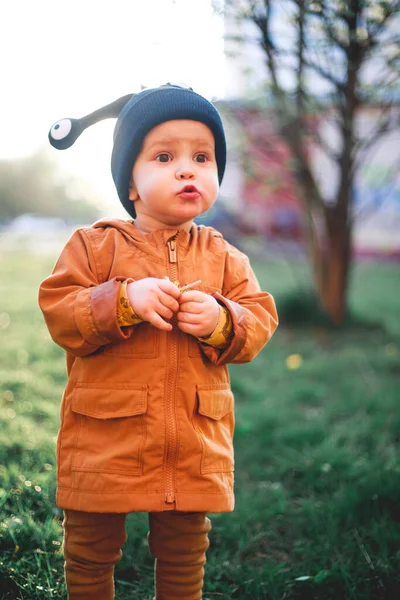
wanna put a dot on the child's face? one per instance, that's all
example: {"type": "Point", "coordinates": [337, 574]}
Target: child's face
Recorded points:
{"type": "Point", "coordinates": [175, 177]}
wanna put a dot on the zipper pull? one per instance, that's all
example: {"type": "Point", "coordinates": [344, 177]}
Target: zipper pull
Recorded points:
{"type": "Point", "coordinates": [172, 251]}
{"type": "Point", "coordinates": [169, 498]}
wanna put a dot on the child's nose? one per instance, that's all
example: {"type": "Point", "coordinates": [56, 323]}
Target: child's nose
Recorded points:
{"type": "Point", "coordinates": [184, 171]}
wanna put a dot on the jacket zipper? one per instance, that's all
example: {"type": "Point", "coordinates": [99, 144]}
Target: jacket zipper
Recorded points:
{"type": "Point", "coordinates": [172, 251]}
{"type": "Point", "coordinates": [171, 438]}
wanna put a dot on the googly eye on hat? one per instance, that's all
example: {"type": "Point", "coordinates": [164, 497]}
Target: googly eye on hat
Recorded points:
{"type": "Point", "coordinates": [66, 131]}
{"type": "Point", "coordinates": [136, 115]}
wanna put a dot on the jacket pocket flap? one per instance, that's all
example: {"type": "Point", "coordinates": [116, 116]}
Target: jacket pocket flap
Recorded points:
{"type": "Point", "coordinates": [215, 401]}
{"type": "Point", "coordinates": [117, 401]}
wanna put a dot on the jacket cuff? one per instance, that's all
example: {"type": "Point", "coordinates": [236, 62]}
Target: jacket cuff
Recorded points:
{"type": "Point", "coordinates": [95, 312]}
{"type": "Point", "coordinates": [221, 335]}
{"type": "Point", "coordinates": [238, 315]}
{"type": "Point", "coordinates": [126, 316]}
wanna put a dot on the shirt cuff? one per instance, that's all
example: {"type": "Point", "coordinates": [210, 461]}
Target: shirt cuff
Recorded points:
{"type": "Point", "coordinates": [125, 314]}
{"type": "Point", "coordinates": [222, 333]}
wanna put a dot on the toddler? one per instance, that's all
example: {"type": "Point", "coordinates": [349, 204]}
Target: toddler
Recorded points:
{"type": "Point", "coordinates": [150, 311]}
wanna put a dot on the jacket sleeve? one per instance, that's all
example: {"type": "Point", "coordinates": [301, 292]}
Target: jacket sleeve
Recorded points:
{"type": "Point", "coordinates": [80, 312]}
{"type": "Point", "coordinates": [253, 313]}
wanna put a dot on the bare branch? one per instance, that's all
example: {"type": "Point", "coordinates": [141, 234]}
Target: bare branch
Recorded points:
{"type": "Point", "coordinates": [375, 27]}
{"type": "Point", "coordinates": [334, 156]}
{"type": "Point", "coordinates": [327, 22]}
{"type": "Point", "coordinates": [263, 22]}
{"type": "Point", "coordinates": [386, 124]}
{"type": "Point", "coordinates": [340, 86]}
{"type": "Point", "coordinates": [300, 55]}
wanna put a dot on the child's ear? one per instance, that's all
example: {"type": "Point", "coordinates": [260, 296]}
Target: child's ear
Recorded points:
{"type": "Point", "coordinates": [133, 193]}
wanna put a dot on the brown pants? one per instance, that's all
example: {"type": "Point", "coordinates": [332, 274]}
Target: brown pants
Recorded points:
{"type": "Point", "coordinates": [92, 547]}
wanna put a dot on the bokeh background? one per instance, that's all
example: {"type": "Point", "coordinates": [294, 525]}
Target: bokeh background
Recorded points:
{"type": "Point", "coordinates": [309, 92]}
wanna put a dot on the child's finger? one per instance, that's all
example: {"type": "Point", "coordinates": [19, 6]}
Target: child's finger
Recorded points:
{"type": "Point", "coordinates": [164, 311]}
{"type": "Point", "coordinates": [191, 296]}
{"type": "Point", "coordinates": [191, 328]}
{"type": "Point", "coordinates": [192, 318]}
{"type": "Point", "coordinates": [169, 288]}
{"type": "Point", "coordinates": [158, 322]}
{"type": "Point", "coordinates": [191, 307]}
{"type": "Point", "coordinates": [169, 301]}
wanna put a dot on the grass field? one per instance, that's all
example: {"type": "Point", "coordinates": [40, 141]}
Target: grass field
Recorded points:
{"type": "Point", "coordinates": [317, 453]}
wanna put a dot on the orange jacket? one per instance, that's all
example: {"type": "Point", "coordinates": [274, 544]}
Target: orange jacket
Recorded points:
{"type": "Point", "coordinates": [147, 416]}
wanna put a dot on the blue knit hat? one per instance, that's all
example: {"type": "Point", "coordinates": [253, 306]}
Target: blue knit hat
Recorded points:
{"type": "Point", "coordinates": [137, 115]}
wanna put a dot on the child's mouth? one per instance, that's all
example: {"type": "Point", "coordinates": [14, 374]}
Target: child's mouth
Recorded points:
{"type": "Point", "coordinates": [189, 192]}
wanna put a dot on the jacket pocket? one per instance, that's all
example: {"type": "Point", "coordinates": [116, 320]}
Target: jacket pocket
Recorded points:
{"type": "Point", "coordinates": [143, 343]}
{"type": "Point", "coordinates": [214, 422]}
{"type": "Point", "coordinates": [111, 429]}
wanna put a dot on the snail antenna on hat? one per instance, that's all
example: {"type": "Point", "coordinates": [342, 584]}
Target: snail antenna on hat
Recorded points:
{"type": "Point", "coordinates": [66, 131]}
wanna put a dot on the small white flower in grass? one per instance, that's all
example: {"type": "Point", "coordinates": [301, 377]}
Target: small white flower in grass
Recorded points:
{"type": "Point", "coordinates": [326, 467]}
{"type": "Point", "coordinates": [312, 413]}
{"type": "Point", "coordinates": [38, 488]}
{"type": "Point", "coordinates": [28, 483]}
{"type": "Point", "coordinates": [47, 466]}
{"type": "Point", "coordinates": [276, 485]}
{"type": "Point", "coordinates": [11, 414]}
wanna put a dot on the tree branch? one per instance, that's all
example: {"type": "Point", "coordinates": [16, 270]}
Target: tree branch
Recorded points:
{"type": "Point", "coordinates": [300, 56]}
{"type": "Point", "coordinates": [340, 86]}
{"type": "Point", "coordinates": [364, 146]}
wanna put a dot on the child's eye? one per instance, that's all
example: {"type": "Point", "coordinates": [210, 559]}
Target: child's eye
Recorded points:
{"type": "Point", "coordinates": [163, 157]}
{"type": "Point", "coordinates": [201, 158]}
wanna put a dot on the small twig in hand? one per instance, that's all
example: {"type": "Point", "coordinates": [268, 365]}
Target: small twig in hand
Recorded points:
{"type": "Point", "coordinates": [189, 285]}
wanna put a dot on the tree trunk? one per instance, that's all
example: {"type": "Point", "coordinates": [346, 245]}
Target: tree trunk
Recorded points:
{"type": "Point", "coordinates": [336, 264]}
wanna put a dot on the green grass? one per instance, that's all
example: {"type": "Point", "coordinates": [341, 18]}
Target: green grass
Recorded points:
{"type": "Point", "coordinates": [317, 453]}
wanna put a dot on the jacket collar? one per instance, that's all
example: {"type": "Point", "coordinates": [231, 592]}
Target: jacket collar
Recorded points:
{"type": "Point", "coordinates": [156, 238]}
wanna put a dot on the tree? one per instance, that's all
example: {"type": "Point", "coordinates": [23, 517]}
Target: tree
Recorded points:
{"type": "Point", "coordinates": [32, 185]}
{"type": "Point", "coordinates": [332, 58]}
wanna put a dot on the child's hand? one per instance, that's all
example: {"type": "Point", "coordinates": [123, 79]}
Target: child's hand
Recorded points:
{"type": "Point", "coordinates": [198, 313]}
{"type": "Point", "coordinates": [152, 299]}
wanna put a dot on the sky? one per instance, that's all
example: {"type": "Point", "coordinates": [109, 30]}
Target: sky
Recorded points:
{"type": "Point", "coordinates": [66, 59]}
